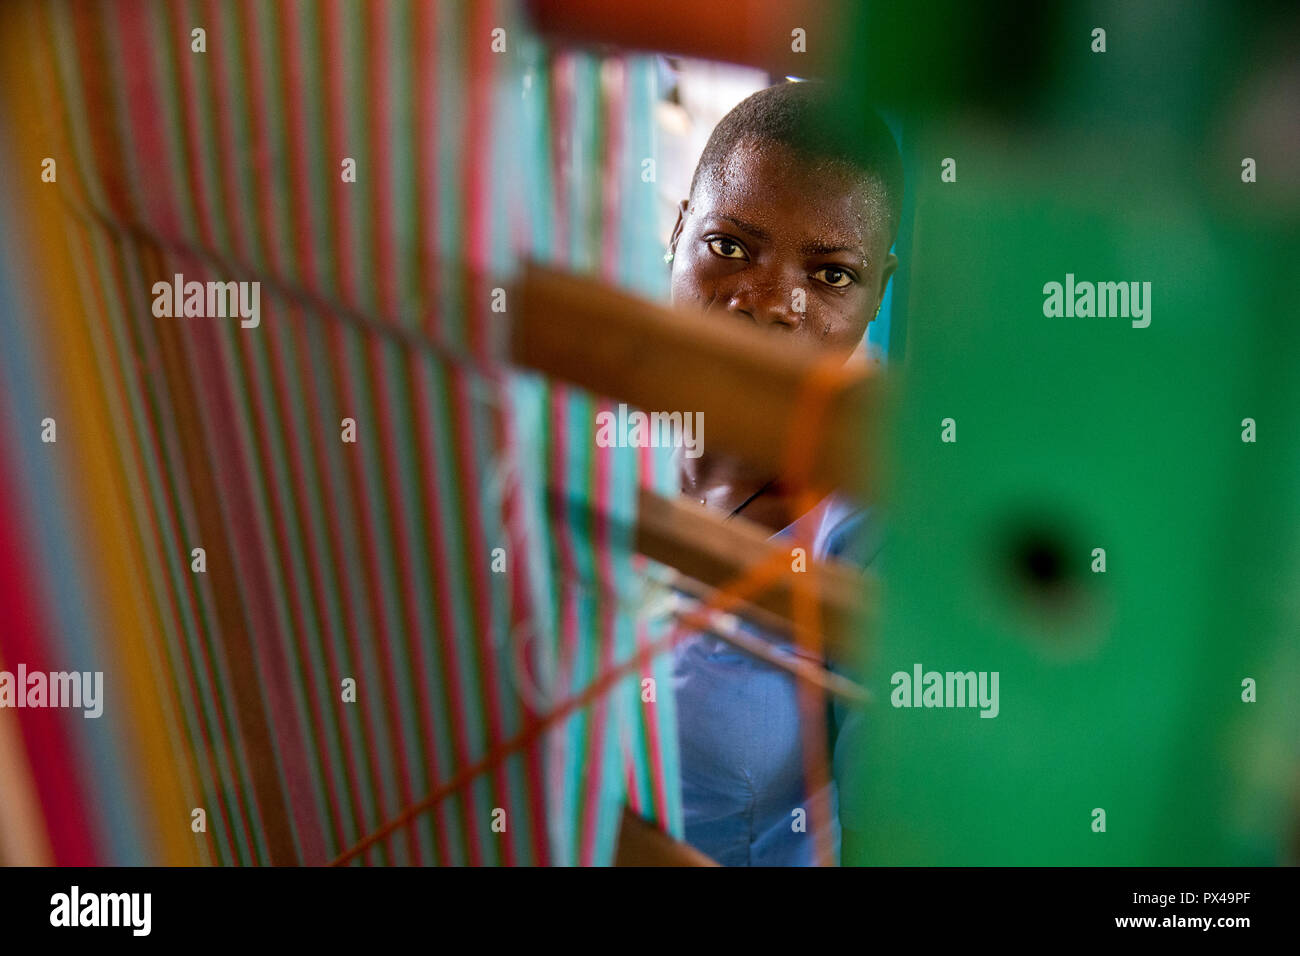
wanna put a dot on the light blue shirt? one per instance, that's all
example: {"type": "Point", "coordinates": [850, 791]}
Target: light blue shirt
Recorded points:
{"type": "Point", "coordinates": [738, 727]}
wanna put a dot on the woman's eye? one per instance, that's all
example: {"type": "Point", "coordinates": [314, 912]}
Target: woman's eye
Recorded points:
{"type": "Point", "coordinates": [727, 248]}
{"type": "Point", "coordinates": [834, 276]}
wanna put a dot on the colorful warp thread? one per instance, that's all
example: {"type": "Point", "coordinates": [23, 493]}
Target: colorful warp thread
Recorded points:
{"type": "Point", "coordinates": [325, 560]}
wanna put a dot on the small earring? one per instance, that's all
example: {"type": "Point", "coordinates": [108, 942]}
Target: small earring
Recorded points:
{"type": "Point", "coordinates": [668, 256]}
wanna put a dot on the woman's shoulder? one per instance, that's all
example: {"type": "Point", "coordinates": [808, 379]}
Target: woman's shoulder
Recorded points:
{"type": "Point", "coordinates": [851, 532]}
{"type": "Point", "coordinates": [843, 529]}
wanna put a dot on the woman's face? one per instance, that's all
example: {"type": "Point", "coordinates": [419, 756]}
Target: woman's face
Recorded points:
{"type": "Point", "coordinates": [794, 247]}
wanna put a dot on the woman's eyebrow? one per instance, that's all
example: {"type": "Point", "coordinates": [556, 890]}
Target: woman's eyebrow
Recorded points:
{"type": "Point", "coordinates": [749, 227]}
{"type": "Point", "coordinates": [818, 248]}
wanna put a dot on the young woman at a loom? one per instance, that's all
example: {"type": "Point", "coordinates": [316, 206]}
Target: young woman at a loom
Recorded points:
{"type": "Point", "coordinates": [796, 189]}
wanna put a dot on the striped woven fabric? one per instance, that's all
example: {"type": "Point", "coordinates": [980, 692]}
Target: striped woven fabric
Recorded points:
{"type": "Point", "coordinates": [357, 674]}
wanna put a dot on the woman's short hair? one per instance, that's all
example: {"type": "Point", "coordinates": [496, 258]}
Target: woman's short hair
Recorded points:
{"type": "Point", "coordinates": [820, 122]}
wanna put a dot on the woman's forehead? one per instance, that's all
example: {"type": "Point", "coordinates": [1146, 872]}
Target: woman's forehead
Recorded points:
{"type": "Point", "coordinates": [784, 196]}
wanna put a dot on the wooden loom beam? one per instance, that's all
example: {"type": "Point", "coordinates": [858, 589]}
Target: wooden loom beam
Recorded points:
{"type": "Point", "coordinates": [749, 387]}
{"type": "Point", "coordinates": [695, 541]}
{"type": "Point", "coordinates": [641, 843]}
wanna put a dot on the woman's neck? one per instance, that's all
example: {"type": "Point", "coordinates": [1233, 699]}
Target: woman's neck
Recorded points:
{"type": "Point", "coordinates": [735, 488]}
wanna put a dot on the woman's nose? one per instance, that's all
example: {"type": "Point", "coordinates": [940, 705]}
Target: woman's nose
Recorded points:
{"type": "Point", "coordinates": [768, 303]}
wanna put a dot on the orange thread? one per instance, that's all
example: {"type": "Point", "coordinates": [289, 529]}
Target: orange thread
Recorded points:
{"type": "Point", "coordinates": [754, 578]}
{"type": "Point", "coordinates": [807, 426]}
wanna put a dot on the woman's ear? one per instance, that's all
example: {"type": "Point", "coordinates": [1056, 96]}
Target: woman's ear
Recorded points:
{"type": "Point", "coordinates": [677, 229]}
{"type": "Point", "coordinates": [891, 263]}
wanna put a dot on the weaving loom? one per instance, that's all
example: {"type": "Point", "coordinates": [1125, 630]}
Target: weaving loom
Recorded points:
{"type": "Point", "coordinates": [418, 630]}
{"type": "Point", "coordinates": [499, 221]}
